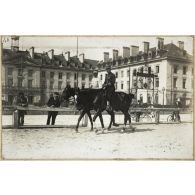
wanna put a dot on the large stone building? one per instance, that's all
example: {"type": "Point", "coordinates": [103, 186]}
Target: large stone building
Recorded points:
{"type": "Point", "coordinates": [40, 74]}
{"type": "Point", "coordinates": [158, 75]}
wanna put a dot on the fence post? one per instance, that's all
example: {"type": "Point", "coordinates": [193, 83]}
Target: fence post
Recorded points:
{"type": "Point", "coordinates": [85, 121]}
{"type": "Point", "coordinates": [157, 117]}
{"type": "Point", "coordinates": [15, 119]}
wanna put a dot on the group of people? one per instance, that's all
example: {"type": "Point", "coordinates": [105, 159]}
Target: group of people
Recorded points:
{"type": "Point", "coordinates": [54, 100]}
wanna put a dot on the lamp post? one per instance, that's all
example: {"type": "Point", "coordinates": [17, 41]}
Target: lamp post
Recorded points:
{"type": "Point", "coordinates": [163, 90]}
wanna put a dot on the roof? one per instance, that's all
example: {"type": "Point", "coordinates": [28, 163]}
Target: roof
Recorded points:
{"type": "Point", "coordinates": [42, 59]}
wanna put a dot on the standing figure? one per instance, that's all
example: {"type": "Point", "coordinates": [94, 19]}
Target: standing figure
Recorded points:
{"type": "Point", "coordinates": [108, 86]}
{"type": "Point", "coordinates": [21, 100]}
{"type": "Point", "coordinates": [176, 113]}
{"type": "Point", "coordinates": [53, 102]}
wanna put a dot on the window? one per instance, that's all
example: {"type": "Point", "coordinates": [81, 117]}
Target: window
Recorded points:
{"type": "Point", "coordinates": [101, 77]}
{"type": "Point", "coordinates": [156, 98]}
{"type": "Point", "coordinates": [10, 71]}
{"type": "Point", "coordinates": [68, 76]}
{"type": "Point", "coordinates": [43, 74]}
{"type": "Point", "coordinates": [83, 77]}
{"type": "Point", "coordinates": [184, 84]}
{"type": "Point", "coordinates": [141, 69]}
{"type": "Point", "coordinates": [157, 82]}
{"type": "Point", "coordinates": [51, 75]}
{"type": "Point", "coordinates": [19, 82]}
{"type": "Point", "coordinates": [59, 85]}
{"type": "Point", "coordinates": [128, 85]}
{"type": "Point", "coordinates": [122, 84]}
{"type": "Point", "coordinates": [141, 98]}
{"type": "Point", "coordinates": [30, 73]}
{"type": "Point", "coordinates": [29, 83]}
{"type": "Point", "coordinates": [43, 84]}
{"type": "Point", "coordinates": [60, 75]}
{"type": "Point", "coordinates": [10, 82]}
{"type": "Point", "coordinates": [75, 76]}
{"type": "Point", "coordinates": [90, 77]}
{"type": "Point", "coordinates": [10, 99]}
{"type": "Point", "coordinates": [75, 84]}
{"type": "Point", "coordinates": [116, 74]}
{"type": "Point", "coordinates": [175, 70]}
{"type": "Point", "coordinates": [157, 69]}
{"type": "Point", "coordinates": [174, 97]}
{"type": "Point", "coordinates": [116, 85]}
{"type": "Point", "coordinates": [83, 85]}
{"type": "Point", "coordinates": [134, 83]}
{"type": "Point", "coordinates": [20, 72]}
{"type": "Point", "coordinates": [30, 99]}
{"type": "Point", "coordinates": [184, 70]}
{"type": "Point", "coordinates": [122, 73]}
{"type": "Point", "coordinates": [149, 98]}
{"type": "Point", "coordinates": [174, 82]}
{"type": "Point", "coordinates": [51, 84]}
{"type": "Point", "coordinates": [127, 73]}
{"type": "Point", "coordinates": [149, 70]}
{"type": "Point", "coordinates": [134, 72]}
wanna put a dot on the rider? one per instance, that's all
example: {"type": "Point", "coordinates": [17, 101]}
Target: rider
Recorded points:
{"type": "Point", "coordinates": [108, 85]}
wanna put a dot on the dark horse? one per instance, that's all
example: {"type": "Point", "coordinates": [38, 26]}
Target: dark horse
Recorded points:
{"type": "Point", "coordinates": [85, 103]}
{"type": "Point", "coordinates": [120, 101]}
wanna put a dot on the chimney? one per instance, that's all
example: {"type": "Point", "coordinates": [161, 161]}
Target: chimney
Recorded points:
{"type": "Point", "coordinates": [181, 45]}
{"type": "Point", "coordinates": [126, 52]}
{"type": "Point", "coordinates": [15, 43]}
{"type": "Point", "coordinates": [134, 50]}
{"type": "Point", "coordinates": [106, 56]}
{"type": "Point", "coordinates": [82, 57]}
{"type": "Point", "coordinates": [32, 52]}
{"type": "Point", "coordinates": [160, 43]}
{"type": "Point", "coordinates": [115, 54]}
{"type": "Point", "coordinates": [67, 55]}
{"type": "Point", "coordinates": [51, 54]}
{"type": "Point", "coordinates": [146, 46]}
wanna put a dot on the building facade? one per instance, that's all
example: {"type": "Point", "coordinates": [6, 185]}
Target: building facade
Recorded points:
{"type": "Point", "coordinates": [40, 74]}
{"type": "Point", "coordinates": [158, 75]}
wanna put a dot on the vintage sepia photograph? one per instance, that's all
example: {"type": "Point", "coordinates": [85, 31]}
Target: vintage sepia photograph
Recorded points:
{"type": "Point", "coordinates": [97, 97]}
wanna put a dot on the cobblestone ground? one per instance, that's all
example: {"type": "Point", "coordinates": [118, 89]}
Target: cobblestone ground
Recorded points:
{"type": "Point", "coordinates": [165, 141]}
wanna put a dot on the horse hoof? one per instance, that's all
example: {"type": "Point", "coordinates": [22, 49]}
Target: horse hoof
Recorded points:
{"type": "Point", "coordinates": [122, 130]}
{"type": "Point", "coordinates": [115, 124]}
{"type": "Point", "coordinates": [91, 129]}
{"type": "Point", "coordinates": [96, 130]}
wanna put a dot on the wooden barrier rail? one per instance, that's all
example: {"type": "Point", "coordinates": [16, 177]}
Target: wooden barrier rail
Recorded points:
{"type": "Point", "coordinates": [66, 110]}
{"type": "Point", "coordinates": [46, 109]}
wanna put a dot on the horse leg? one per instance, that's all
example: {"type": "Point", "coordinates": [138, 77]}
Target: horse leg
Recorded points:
{"type": "Point", "coordinates": [90, 118]}
{"type": "Point", "coordinates": [79, 119]}
{"type": "Point", "coordinates": [111, 113]}
{"type": "Point", "coordinates": [101, 120]}
{"type": "Point", "coordinates": [98, 112]}
{"type": "Point", "coordinates": [128, 117]}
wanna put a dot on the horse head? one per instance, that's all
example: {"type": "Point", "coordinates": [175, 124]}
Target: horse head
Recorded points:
{"type": "Point", "coordinates": [68, 92]}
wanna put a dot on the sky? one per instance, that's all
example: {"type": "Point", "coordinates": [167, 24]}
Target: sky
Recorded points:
{"type": "Point", "coordinates": [92, 46]}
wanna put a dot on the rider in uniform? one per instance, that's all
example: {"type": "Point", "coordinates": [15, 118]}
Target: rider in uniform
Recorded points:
{"type": "Point", "coordinates": [108, 85]}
